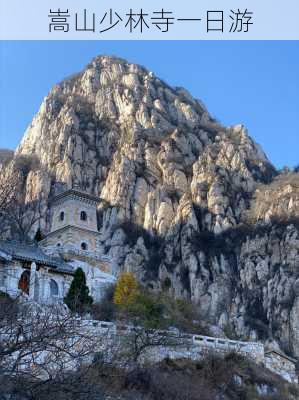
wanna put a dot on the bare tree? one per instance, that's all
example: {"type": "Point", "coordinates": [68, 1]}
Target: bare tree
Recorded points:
{"type": "Point", "coordinates": [21, 217]}
{"type": "Point", "coordinates": [43, 352]}
{"type": "Point", "coordinates": [141, 343]}
{"type": "Point", "coordinates": [9, 185]}
{"type": "Point", "coordinates": [17, 216]}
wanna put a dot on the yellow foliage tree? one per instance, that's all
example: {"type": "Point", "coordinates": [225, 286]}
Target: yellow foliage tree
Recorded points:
{"type": "Point", "coordinates": [126, 290]}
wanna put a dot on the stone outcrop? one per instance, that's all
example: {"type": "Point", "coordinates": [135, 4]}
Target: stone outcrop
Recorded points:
{"type": "Point", "coordinates": [5, 156]}
{"type": "Point", "coordinates": [176, 189]}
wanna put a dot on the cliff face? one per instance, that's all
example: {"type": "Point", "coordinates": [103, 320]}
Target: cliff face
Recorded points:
{"type": "Point", "coordinates": [5, 156]}
{"type": "Point", "coordinates": [176, 188]}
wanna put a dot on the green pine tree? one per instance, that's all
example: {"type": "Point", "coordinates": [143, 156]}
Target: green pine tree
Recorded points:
{"type": "Point", "coordinates": [78, 298]}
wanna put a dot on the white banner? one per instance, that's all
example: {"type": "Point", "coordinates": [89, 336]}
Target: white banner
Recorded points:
{"type": "Point", "coordinates": [149, 20]}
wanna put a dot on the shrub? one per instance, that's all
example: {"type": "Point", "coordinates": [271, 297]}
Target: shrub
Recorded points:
{"type": "Point", "coordinates": [147, 310]}
{"type": "Point", "coordinates": [105, 310]}
{"type": "Point", "coordinates": [185, 278]}
{"type": "Point", "coordinates": [156, 257]}
{"type": "Point", "coordinates": [78, 298]}
{"type": "Point", "coordinates": [183, 315]}
{"type": "Point", "coordinates": [211, 378]}
{"type": "Point", "coordinates": [166, 284]}
{"type": "Point", "coordinates": [6, 156]}
{"type": "Point", "coordinates": [173, 194]}
{"type": "Point", "coordinates": [132, 231]}
{"type": "Point", "coordinates": [230, 332]}
{"type": "Point", "coordinates": [26, 163]}
{"type": "Point", "coordinates": [5, 296]}
{"type": "Point", "coordinates": [162, 311]}
{"type": "Point", "coordinates": [126, 290]}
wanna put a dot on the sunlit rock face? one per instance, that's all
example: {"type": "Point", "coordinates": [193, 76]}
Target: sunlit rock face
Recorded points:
{"type": "Point", "coordinates": [175, 187]}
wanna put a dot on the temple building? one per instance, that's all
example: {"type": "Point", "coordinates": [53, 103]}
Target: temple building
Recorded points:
{"type": "Point", "coordinates": [43, 272]}
{"type": "Point", "coordinates": [74, 223]}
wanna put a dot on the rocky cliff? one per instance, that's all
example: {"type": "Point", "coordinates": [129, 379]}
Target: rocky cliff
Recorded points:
{"type": "Point", "coordinates": [190, 206]}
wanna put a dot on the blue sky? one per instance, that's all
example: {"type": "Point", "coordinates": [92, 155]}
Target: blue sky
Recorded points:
{"type": "Point", "coordinates": [254, 83]}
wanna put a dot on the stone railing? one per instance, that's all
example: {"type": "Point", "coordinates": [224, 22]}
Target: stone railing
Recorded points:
{"type": "Point", "coordinates": [253, 350]}
{"type": "Point", "coordinates": [107, 336]}
{"type": "Point", "coordinates": [194, 347]}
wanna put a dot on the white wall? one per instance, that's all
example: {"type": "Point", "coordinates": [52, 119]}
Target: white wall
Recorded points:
{"type": "Point", "coordinates": [39, 289]}
{"type": "Point", "coordinates": [72, 210]}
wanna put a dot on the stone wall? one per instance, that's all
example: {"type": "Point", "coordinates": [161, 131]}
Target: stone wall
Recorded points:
{"type": "Point", "coordinates": [109, 341]}
{"type": "Point", "coordinates": [281, 366]}
{"type": "Point", "coordinates": [197, 347]}
{"type": "Point", "coordinates": [99, 269]}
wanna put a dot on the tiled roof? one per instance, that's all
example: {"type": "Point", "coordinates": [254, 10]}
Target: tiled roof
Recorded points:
{"type": "Point", "coordinates": [33, 253]}
{"type": "Point", "coordinates": [75, 194]}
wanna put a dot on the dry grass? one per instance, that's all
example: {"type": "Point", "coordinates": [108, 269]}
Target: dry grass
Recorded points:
{"type": "Point", "coordinates": [229, 378]}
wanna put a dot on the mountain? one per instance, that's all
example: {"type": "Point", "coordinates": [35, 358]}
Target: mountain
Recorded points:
{"type": "Point", "coordinates": [5, 156]}
{"type": "Point", "coordinates": [190, 206]}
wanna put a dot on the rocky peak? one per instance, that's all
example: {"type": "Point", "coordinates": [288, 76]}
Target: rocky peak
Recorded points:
{"type": "Point", "coordinates": [121, 133]}
{"type": "Point", "coordinates": [175, 186]}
